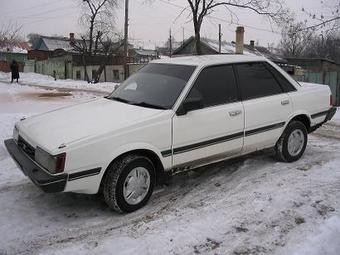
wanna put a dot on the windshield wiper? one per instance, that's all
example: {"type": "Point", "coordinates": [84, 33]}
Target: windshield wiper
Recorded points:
{"type": "Point", "coordinates": [119, 99]}
{"type": "Point", "coordinates": [148, 105]}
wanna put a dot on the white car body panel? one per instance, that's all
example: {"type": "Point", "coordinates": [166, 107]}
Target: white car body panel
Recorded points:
{"type": "Point", "coordinates": [94, 134]}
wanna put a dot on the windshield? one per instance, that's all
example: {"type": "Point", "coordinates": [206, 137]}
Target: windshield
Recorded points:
{"type": "Point", "coordinates": [155, 86]}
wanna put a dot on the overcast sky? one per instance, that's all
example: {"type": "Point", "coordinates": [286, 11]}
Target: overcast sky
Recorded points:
{"type": "Point", "coordinates": [148, 23]}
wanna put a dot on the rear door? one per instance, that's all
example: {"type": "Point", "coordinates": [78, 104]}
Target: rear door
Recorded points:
{"type": "Point", "coordinates": [266, 104]}
{"type": "Point", "coordinates": [214, 131]}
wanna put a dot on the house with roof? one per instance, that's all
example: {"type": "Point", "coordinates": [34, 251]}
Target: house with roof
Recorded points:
{"type": "Point", "coordinates": [14, 51]}
{"type": "Point", "coordinates": [57, 55]}
{"type": "Point", "coordinates": [211, 46]}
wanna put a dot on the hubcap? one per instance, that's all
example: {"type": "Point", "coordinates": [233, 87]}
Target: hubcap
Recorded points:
{"type": "Point", "coordinates": [136, 185]}
{"type": "Point", "coordinates": [296, 142]}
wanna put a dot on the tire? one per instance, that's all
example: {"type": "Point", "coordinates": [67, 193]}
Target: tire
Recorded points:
{"type": "Point", "coordinates": [283, 151]}
{"type": "Point", "coordinates": [129, 170]}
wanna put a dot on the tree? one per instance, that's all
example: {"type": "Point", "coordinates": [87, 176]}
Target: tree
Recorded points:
{"type": "Point", "coordinates": [200, 9]}
{"type": "Point", "coordinates": [98, 19]}
{"type": "Point", "coordinates": [327, 17]}
{"type": "Point", "coordinates": [33, 39]}
{"type": "Point", "coordinates": [10, 35]}
{"type": "Point", "coordinates": [295, 39]}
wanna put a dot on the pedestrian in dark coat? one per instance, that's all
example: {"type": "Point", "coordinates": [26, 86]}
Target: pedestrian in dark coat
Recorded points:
{"type": "Point", "coordinates": [15, 71]}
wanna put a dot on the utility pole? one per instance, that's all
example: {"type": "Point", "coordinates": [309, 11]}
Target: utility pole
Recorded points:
{"type": "Point", "coordinates": [126, 36]}
{"type": "Point", "coordinates": [170, 43]}
{"type": "Point", "coordinates": [219, 38]}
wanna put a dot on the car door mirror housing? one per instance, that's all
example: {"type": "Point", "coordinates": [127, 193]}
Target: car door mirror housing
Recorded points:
{"type": "Point", "coordinates": [190, 104]}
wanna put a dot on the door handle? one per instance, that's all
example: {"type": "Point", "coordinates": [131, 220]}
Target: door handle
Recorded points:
{"type": "Point", "coordinates": [284, 102]}
{"type": "Point", "coordinates": [235, 113]}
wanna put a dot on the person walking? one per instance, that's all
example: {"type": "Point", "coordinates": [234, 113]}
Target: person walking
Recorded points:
{"type": "Point", "coordinates": [15, 71]}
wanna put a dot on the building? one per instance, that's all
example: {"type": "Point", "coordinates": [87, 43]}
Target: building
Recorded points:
{"type": "Point", "coordinates": [211, 46]}
{"type": "Point", "coordinates": [17, 52]}
{"type": "Point", "coordinates": [57, 56]}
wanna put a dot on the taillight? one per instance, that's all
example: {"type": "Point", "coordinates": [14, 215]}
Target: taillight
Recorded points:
{"type": "Point", "coordinates": [331, 103]}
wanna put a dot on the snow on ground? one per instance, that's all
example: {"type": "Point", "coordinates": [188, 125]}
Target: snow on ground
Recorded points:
{"type": "Point", "coordinates": [252, 205]}
{"type": "Point", "coordinates": [48, 81]}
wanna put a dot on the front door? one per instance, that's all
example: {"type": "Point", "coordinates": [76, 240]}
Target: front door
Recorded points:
{"type": "Point", "coordinates": [214, 130]}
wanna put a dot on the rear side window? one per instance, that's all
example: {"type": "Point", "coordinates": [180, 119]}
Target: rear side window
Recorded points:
{"type": "Point", "coordinates": [256, 81]}
{"type": "Point", "coordinates": [216, 85]}
{"type": "Point", "coordinates": [285, 84]}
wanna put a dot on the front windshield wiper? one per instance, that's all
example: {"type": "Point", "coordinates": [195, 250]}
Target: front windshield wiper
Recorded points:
{"type": "Point", "coordinates": [120, 99]}
{"type": "Point", "coordinates": [144, 104]}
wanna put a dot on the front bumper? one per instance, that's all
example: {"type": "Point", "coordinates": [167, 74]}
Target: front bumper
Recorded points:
{"type": "Point", "coordinates": [47, 182]}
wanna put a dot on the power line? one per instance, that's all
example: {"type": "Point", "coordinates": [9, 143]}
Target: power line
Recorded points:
{"type": "Point", "coordinates": [217, 18]}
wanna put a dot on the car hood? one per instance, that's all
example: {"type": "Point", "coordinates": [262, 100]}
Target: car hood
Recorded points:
{"type": "Point", "coordinates": [70, 124]}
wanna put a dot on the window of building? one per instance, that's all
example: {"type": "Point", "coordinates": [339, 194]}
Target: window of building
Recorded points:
{"type": "Point", "coordinates": [78, 77]}
{"type": "Point", "coordinates": [116, 74]}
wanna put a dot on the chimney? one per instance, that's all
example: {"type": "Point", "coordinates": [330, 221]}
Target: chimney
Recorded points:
{"type": "Point", "coordinates": [239, 40]}
{"type": "Point", "coordinates": [252, 43]}
{"type": "Point", "coordinates": [71, 37]}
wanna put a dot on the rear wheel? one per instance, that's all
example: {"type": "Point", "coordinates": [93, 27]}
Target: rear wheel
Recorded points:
{"type": "Point", "coordinates": [129, 183]}
{"type": "Point", "coordinates": [292, 143]}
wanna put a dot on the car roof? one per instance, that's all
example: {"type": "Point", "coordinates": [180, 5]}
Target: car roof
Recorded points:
{"type": "Point", "coordinates": [207, 60]}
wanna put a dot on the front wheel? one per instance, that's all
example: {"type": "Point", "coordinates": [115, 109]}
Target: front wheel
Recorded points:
{"type": "Point", "coordinates": [292, 143]}
{"type": "Point", "coordinates": [129, 183]}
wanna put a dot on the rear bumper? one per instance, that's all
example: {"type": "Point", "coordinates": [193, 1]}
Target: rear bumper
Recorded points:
{"type": "Point", "coordinates": [329, 115]}
{"type": "Point", "coordinates": [47, 182]}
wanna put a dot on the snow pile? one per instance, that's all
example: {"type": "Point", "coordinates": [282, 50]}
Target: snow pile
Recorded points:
{"type": "Point", "coordinates": [325, 240]}
{"type": "Point", "coordinates": [336, 118]}
{"type": "Point", "coordinates": [40, 80]}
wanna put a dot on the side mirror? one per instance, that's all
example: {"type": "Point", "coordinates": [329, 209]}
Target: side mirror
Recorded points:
{"type": "Point", "coordinates": [190, 104]}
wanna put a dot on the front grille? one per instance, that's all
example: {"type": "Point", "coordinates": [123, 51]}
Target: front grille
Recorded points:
{"type": "Point", "coordinates": [26, 147]}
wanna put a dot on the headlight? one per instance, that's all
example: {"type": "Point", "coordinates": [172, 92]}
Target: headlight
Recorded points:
{"type": "Point", "coordinates": [54, 164]}
{"type": "Point", "coordinates": [15, 133]}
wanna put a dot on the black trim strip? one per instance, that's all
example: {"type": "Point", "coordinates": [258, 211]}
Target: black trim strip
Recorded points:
{"type": "Point", "coordinates": [214, 141]}
{"type": "Point", "coordinates": [264, 129]}
{"type": "Point", "coordinates": [83, 174]}
{"type": "Point", "coordinates": [166, 153]}
{"type": "Point", "coordinates": [222, 139]}
{"type": "Point", "coordinates": [319, 114]}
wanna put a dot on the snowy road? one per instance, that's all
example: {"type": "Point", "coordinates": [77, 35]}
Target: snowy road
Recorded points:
{"type": "Point", "coordinates": [253, 205]}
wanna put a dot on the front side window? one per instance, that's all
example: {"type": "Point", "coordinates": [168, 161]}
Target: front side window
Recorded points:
{"type": "Point", "coordinates": [215, 85]}
{"type": "Point", "coordinates": [256, 81]}
{"type": "Point", "coordinates": [155, 85]}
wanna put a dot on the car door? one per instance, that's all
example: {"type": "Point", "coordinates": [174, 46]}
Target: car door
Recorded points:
{"type": "Point", "coordinates": [267, 106]}
{"type": "Point", "coordinates": [214, 130]}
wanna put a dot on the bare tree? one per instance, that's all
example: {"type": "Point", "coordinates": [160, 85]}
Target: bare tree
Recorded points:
{"type": "Point", "coordinates": [98, 19]}
{"type": "Point", "coordinates": [200, 9]}
{"type": "Point", "coordinates": [327, 17]}
{"type": "Point", "coordinates": [33, 39]}
{"type": "Point", "coordinates": [9, 35]}
{"type": "Point", "coordinates": [295, 39]}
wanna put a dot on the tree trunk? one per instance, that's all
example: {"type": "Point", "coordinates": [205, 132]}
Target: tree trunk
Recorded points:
{"type": "Point", "coordinates": [198, 43]}
{"type": "Point", "coordinates": [197, 29]}
{"type": "Point", "coordinates": [98, 73]}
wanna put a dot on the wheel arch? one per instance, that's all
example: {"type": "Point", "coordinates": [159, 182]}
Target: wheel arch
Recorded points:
{"type": "Point", "coordinates": [147, 152]}
{"type": "Point", "coordinates": [303, 118]}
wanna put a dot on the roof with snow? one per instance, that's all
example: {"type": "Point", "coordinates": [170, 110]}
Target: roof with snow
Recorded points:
{"type": "Point", "coordinates": [211, 46]}
{"type": "Point", "coordinates": [19, 47]}
{"type": "Point", "coordinates": [52, 43]}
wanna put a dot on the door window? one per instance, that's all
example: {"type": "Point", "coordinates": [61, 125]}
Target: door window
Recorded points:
{"type": "Point", "coordinates": [215, 85]}
{"type": "Point", "coordinates": [256, 81]}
